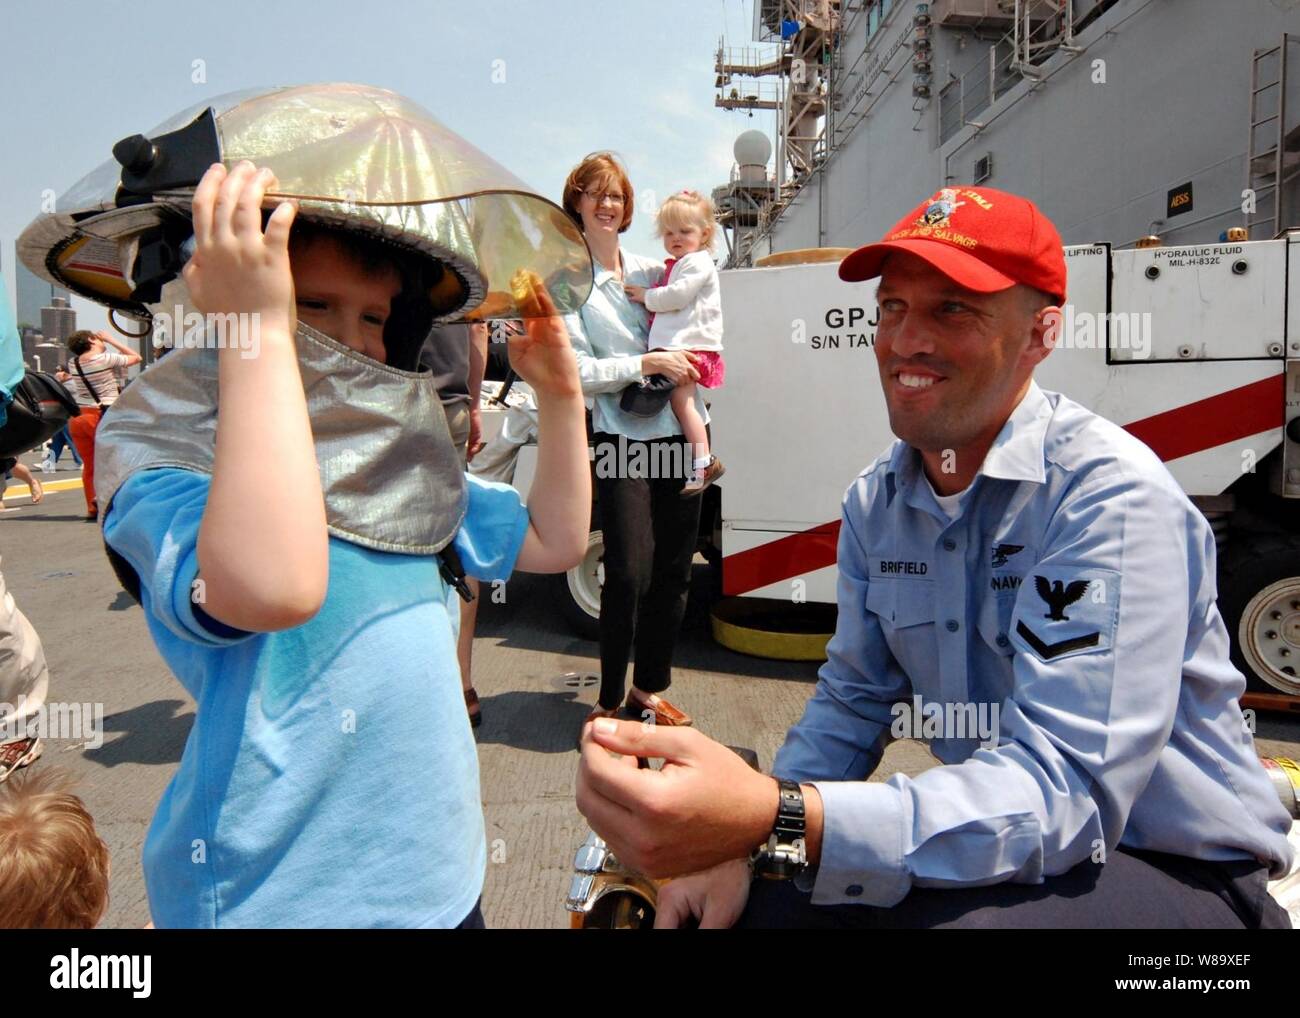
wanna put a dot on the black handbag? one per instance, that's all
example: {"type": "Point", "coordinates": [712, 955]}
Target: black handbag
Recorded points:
{"type": "Point", "coordinates": [42, 405]}
{"type": "Point", "coordinates": [648, 397]}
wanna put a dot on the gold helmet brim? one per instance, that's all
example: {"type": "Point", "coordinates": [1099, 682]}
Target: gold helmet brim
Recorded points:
{"type": "Point", "coordinates": [353, 157]}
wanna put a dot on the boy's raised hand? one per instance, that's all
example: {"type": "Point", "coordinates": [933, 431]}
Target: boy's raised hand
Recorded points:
{"type": "Point", "coordinates": [543, 355]}
{"type": "Point", "coordinates": [236, 267]}
{"type": "Point", "coordinates": [264, 559]}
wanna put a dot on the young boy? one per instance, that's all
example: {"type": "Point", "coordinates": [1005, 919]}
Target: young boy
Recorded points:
{"type": "Point", "coordinates": [331, 777]}
{"type": "Point", "coordinates": [53, 866]}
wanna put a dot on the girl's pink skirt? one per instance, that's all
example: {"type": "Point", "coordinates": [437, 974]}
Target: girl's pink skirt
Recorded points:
{"type": "Point", "coordinates": [710, 366]}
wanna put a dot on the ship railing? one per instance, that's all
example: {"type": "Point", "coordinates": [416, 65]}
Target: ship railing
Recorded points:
{"type": "Point", "coordinates": [754, 95]}
{"type": "Point", "coordinates": [1014, 57]}
{"type": "Point", "coordinates": [748, 61]}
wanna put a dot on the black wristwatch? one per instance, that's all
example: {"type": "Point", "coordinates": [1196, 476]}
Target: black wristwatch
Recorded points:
{"type": "Point", "coordinates": [783, 856]}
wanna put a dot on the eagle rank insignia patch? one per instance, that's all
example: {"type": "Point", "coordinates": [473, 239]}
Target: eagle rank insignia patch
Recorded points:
{"type": "Point", "coordinates": [1066, 612]}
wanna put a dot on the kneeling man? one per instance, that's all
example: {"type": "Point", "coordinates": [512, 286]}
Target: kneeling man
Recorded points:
{"type": "Point", "coordinates": [1012, 553]}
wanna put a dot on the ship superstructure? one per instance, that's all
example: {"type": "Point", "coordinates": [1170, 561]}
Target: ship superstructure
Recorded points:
{"type": "Point", "coordinates": [1122, 119]}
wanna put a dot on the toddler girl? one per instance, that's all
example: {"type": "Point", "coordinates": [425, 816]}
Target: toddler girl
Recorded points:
{"type": "Point", "coordinates": [686, 314]}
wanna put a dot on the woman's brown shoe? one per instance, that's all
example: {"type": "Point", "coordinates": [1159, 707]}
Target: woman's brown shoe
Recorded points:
{"type": "Point", "coordinates": [664, 712]}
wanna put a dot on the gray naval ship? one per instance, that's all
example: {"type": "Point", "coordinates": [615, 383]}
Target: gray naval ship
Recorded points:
{"type": "Point", "coordinates": [1121, 119]}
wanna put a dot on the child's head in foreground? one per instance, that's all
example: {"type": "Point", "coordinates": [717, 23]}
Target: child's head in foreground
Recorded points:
{"type": "Point", "coordinates": [53, 866]}
{"type": "Point", "coordinates": [686, 224]}
{"type": "Point", "coordinates": [368, 295]}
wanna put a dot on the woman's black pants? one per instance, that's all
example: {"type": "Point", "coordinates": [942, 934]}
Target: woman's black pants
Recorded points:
{"type": "Point", "coordinates": [650, 534]}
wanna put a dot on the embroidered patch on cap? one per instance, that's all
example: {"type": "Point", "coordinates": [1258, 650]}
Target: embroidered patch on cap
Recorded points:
{"type": "Point", "coordinates": [935, 220]}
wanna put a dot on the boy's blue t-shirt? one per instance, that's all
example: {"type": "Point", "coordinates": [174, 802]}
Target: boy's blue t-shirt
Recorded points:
{"type": "Point", "coordinates": [330, 778]}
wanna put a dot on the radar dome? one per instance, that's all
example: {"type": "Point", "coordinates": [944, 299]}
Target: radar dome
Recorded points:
{"type": "Point", "coordinates": [752, 149]}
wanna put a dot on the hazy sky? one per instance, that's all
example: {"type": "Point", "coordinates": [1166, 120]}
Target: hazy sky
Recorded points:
{"type": "Point", "coordinates": [633, 76]}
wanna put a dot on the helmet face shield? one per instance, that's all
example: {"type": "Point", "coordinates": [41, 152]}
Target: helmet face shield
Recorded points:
{"type": "Point", "coordinates": [353, 157]}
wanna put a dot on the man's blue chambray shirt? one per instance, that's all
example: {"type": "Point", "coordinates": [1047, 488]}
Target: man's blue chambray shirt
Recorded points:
{"type": "Point", "coordinates": [609, 335]}
{"type": "Point", "coordinates": [1075, 590]}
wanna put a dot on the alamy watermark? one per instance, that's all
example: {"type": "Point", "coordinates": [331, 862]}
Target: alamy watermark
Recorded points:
{"type": "Point", "coordinates": [643, 460]}
{"type": "Point", "coordinates": [932, 720]}
{"type": "Point", "coordinates": [1087, 330]}
{"type": "Point", "coordinates": [179, 329]}
{"type": "Point", "coordinates": [77, 971]}
{"type": "Point", "coordinates": [80, 722]}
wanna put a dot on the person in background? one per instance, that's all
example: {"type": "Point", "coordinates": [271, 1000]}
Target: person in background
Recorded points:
{"type": "Point", "coordinates": [457, 356]}
{"type": "Point", "coordinates": [61, 440]}
{"type": "Point", "coordinates": [686, 314]}
{"type": "Point", "coordinates": [24, 682]}
{"type": "Point", "coordinates": [650, 531]}
{"type": "Point", "coordinates": [24, 676]}
{"type": "Point", "coordinates": [92, 381]}
{"type": "Point", "coordinates": [497, 459]}
{"type": "Point", "coordinates": [9, 465]}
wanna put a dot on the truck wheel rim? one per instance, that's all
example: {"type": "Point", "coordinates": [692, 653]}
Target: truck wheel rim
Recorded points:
{"type": "Point", "coordinates": [1269, 634]}
{"type": "Point", "coordinates": [588, 577]}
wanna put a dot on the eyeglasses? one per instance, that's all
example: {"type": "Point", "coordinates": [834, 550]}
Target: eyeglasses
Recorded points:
{"type": "Point", "coordinates": [598, 197]}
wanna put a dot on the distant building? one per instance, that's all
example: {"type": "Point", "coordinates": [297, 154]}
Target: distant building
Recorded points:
{"type": "Point", "coordinates": [30, 339]}
{"type": "Point", "coordinates": [44, 317]}
{"type": "Point", "coordinates": [32, 293]}
{"type": "Point", "coordinates": [58, 320]}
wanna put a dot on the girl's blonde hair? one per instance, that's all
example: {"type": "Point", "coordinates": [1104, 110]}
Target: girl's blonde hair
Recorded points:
{"type": "Point", "coordinates": [53, 866]}
{"type": "Point", "coordinates": [688, 208]}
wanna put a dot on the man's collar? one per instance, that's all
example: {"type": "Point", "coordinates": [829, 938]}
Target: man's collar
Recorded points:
{"type": "Point", "coordinates": [1017, 452]}
{"type": "Point", "coordinates": [1015, 455]}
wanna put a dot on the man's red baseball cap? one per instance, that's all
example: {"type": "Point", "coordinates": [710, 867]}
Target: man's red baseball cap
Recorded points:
{"type": "Point", "coordinates": [981, 238]}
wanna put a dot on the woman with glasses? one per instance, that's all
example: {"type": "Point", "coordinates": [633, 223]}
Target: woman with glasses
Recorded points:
{"type": "Point", "coordinates": [649, 530]}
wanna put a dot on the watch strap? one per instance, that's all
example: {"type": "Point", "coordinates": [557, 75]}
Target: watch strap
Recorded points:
{"type": "Point", "coordinates": [783, 855]}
